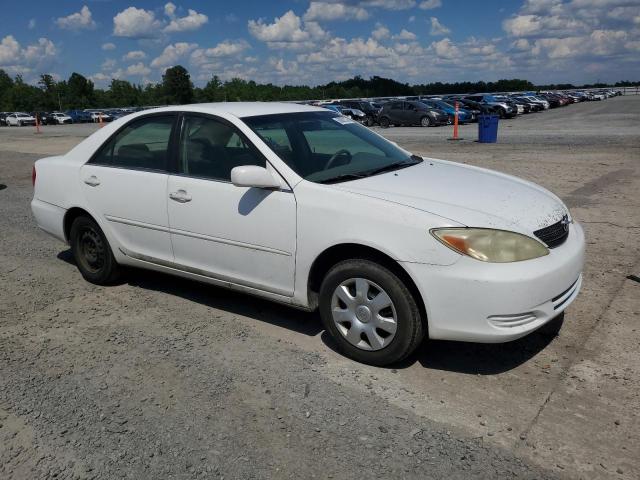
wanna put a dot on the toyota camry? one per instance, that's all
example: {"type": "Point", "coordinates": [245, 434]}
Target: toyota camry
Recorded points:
{"type": "Point", "coordinates": [306, 207]}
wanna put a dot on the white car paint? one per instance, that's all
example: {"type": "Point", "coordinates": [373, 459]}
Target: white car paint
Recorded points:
{"type": "Point", "coordinates": [265, 241]}
{"type": "Point", "coordinates": [99, 116]}
{"type": "Point", "coordinates": [60, 117]}
{"type": "Point", "coordinates": [19, 119]}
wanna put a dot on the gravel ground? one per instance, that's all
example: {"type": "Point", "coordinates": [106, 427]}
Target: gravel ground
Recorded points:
{"type": "Point", "coordinates": [164, 378]}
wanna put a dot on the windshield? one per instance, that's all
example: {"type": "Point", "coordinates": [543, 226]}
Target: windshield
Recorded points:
{"type": "Point", "coordinates": [324, 147]}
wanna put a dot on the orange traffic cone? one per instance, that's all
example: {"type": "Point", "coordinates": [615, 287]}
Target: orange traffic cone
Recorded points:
{"type": "Point", "coordinates": [455, 124]}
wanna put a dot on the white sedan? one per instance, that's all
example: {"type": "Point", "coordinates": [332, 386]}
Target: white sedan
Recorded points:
{"type": "Point", "coordinates": [20, 119]}
{"type": "Point", "coordinates": [306, 207]}
{"type": "Point", "coordinates": [61, 118]}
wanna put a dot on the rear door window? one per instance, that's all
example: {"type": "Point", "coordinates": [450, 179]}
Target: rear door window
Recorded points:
{"type": "Point", "coordinates": [141, 145]}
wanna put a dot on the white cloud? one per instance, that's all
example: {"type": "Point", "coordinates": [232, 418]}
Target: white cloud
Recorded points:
{"type": "Point", "coordinates": [381, 32]}
{"type": "Point", "coordinates": [445, 48]}
{"type": "Point", "coordinates": [81, 20]}
{"type": "Point", "coordinates": [389, 4]}
{"type": "Point", "coordinates": [226, 48]}
{"type": "Point", "coordinates": [108, 46]}
{"type": "Point", "coordinates": [405, 35]}
{"type": "Point", "coordinates": [137, 69]}
{"type": "Point", "coordinates": [172, 54]}
{"type": "Point", "coordinates": [430, 4]}
{"type": "Point", "coordinates": [193, 20]}
{"type": "Point", "coordinates": [341, 49]}
{"type": "Point", "coordinates": [319, 11]}
{"type": "Point", "coordinates": [136, 23]}
{"type": "Point", "coordinates": [170, 10]}
{"type": "Point", "coordinates": [437, 28]}
{"type": "Point", "coordinates": [25, 60]}
{"type": "Point", "coordinates": [287, 32]}
{"type": "Point", "coordinates": [134, 55]}
{"type": "Point", "coordinates": [32, 24]}
{"type": "Point", "coordinates": [108, 65]}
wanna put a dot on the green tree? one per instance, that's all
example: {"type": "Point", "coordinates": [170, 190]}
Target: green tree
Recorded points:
{"type": "Point", "coordinates": [124, 94]}
{"type": "Point", "coordinates": [49, 87]}
{"type": "Point", "coordinates": [6, 85]}
{"type": "Point", "coordinates": [177, 86]}
{"type": "Point", "coordinates": [79, 92]}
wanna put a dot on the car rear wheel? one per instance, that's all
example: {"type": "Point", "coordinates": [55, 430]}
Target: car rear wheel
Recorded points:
{"type": "Point", "coordinates": [384, 122]}
{"type": "Point", "coordinates": [370, 312]}
{"type": "Point", "coordinates": [92, 252]}
{"type": "Point", "coordinates": [425, 121]}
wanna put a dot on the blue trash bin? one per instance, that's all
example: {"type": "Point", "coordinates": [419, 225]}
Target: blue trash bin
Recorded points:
{"type": "Point", "coordinates": [488, 128]}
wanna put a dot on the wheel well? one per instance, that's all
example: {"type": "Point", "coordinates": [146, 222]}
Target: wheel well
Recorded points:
{"type": "Point", "coordinates": [349, 251]}
{"type": "Point", "coordinates": [70, 216]}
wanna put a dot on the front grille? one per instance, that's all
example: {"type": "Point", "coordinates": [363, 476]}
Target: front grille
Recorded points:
{"type": "Point", "coordinates": [554, 235]}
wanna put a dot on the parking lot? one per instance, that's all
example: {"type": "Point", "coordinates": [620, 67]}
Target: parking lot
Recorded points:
{"type": "Point", "coordinates": [160, 377]}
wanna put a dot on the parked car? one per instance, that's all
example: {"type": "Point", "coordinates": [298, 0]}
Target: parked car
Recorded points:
{"type": "Point", "coordinates": [474, 107]}
{"type": "Point", "coordinates": [60, 118]}
{"type": "Point", "coordinates": [79, 116]}
{"type": "Point", "coordinates": [19, 119]}
{"type": "Point", "coordinates": [463, 115]}
{"type": "Point", "coordinates": [44, 118]}
{"type": "Point", "coordinates": [501, 108]}
{"type": "Point", "coordinates": [315, 210]}
{"type": "Point", "coordinates": [369, 109]}
{"type": "Point", "coordinates": [401, 112]}
{"type": "Point", "coordinates": [352, 113]}
{"type": "Point", "coordinates": [99, 116]}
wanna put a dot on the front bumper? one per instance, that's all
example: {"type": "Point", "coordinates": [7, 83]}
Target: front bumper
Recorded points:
{"type": "Point", "coordinates": [498, 302]}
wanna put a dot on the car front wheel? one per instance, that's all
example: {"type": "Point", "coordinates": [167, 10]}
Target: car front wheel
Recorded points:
{"type": "Point", "coordinates": [370, 312]}
{"type": "Point", "coordinates": [425, 121]}
{"type": "Point", "coordinates": [92, 252]}
{"type": "Point", "coordinates": [384, 122]}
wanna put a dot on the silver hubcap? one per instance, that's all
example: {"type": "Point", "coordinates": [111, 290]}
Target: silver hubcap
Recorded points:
{"type": "Point", "coordinates": [364, 314]}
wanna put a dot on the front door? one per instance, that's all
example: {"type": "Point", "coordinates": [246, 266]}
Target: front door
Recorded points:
{"type": "Point", "coordinates": [245, 236]}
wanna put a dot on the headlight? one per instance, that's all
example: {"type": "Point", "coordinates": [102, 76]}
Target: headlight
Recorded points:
{"type": "Point", "coordinates": [487, 245]}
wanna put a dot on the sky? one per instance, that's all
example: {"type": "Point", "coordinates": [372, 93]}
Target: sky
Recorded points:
{"type": "Point", "coordinates": [314, 42]}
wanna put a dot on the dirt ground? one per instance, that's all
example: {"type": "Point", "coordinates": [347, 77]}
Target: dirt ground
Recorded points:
{"type": "Point", "coordinates": [164, 378]}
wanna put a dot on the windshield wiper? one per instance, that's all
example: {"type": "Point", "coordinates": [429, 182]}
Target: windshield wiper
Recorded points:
{"type": "Point", "coordinates": [342, 178]}
{"type": "Point", "coordinates": [414, 160]}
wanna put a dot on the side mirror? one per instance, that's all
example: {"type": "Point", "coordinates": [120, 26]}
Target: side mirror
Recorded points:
{"type": "Point", "coordinates": [253, 176]}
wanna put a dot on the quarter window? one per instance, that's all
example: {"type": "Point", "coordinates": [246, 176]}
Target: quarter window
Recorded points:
{"type": "Point", "coordinates": [142, 144]}
{"type": "Point", "coordinates": [211, 149]}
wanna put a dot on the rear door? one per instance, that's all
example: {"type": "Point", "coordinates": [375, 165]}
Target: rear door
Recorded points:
{"type": "Point", "coordinates": [125, 184]}
{"type": "Point", "coordinates": [395, 112]}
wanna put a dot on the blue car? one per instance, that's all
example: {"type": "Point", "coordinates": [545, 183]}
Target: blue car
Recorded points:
{"type": "Point", "coordinates": [464, 116]}
{"type": "Point", "coordinates": [79, 116]}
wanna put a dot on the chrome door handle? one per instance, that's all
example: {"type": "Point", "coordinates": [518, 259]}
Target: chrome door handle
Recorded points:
{"type": "Point", "coordinates": [180, 196]}
{"type": "Point", "coordinates": [92, 181]}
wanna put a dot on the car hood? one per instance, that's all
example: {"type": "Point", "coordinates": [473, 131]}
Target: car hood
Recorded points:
{"type": "Point", "coordinates": [466, 195]}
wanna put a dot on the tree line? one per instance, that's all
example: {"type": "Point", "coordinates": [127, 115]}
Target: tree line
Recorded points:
{"type": "Point", "coordinates": [176, 87]}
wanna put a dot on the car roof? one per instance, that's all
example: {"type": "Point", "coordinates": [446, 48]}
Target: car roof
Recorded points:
{"type": "Point", "coordinates": [241, 109]}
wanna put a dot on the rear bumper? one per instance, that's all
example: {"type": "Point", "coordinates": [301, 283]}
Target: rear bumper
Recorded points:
{"type": "Point", "coordinates": [49, 218]}
{"type": "Point", "coordinates": [492, 302]}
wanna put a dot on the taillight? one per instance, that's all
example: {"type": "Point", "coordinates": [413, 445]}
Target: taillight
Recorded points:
{"type": "Point", "coordinates": [33, 176]}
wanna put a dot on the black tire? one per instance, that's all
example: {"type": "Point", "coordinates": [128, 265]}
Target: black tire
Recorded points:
{"type": "Point", "coordinates": [502, 113]}
{"type": "Point", "coordinates": [92, 252]}
{"type": "Point", "coordinates": [425, 121]}
{"type": "Point", "coordinates": [410, 326]}
{"type": "Point", "coordinates": [384, 122]}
